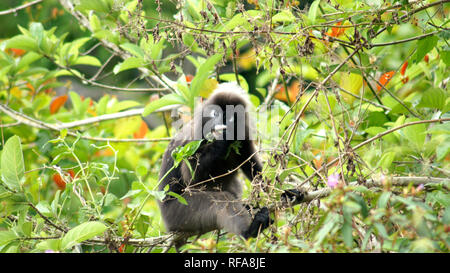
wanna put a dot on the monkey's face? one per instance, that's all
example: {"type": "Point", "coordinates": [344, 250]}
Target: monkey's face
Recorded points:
{"type": "Point", "coordinates": [224, 122]}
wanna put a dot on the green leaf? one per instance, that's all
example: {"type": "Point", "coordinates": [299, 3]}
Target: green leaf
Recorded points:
{"type": "Point", "coordinates": [347, 227]}
{"type": "Point", "coordinates": [285, 16]}
{"type": "Point", "coordinates": [312, 14]}
{"type": "Point", "coordinates": [231, 77]}
{"type": "Point", "coordinates": [424, 46]}
{"type": "Point", "coordinates": [129, 63]}
{"type": "Point", "coordinates": [182, 152]}
{"type": "Point", "coordinates": [102, 105]}
{"type": "Point", "coordinates": [142, 225]}
{"type": "Point", "coordinates": [52, 244]}
{"type": "Point", "coordinates": [381, 230]}
{"type": "Point", "coordinates": [7, 236]}
{"type": "Point", "coordinates": [27, 59]}
{"type": "Point", "coordinates": [152, 49]}
{"type": "Point", "coordinates": [133, 49]}
{"type": "Point", "coordinates": [22, 42]}
{"type": "Point", "coordinates": [178, 197]}
{"type": "Point", "coordinates": [237, 20]}
{"type": "Point", "coordinates": [12, 163]}
{"type": "Point", "coordinates": [131, 193]}
{"type": "Point", "coordinates": [386, 160]}
{"type": "Point", "coordinates": [416, 134]}
{"type": "Point", "coordinates": [169, 99]}
{"type": "Point", "coordinates": [87, 60]}
{"type": "Point", "coordinates": [383, 200]}
{"type": "Point", "coordinates": [94, 22]}
{"type": "Point", "coordinates": [126, 104]}
{"type": "Point", "coordinates": [81, 233]}
{"type": "Point", "coordinates": [76, 102]}
{"type": "Point", "coordinates": [331, 221]}
{"type": "Point", "coordinates": [445, 56]}
{"type": "Point", "coordinates": [37, 31]}
{"type": "Point", "coordinates": [442, 150]}
{"type": "Point", "coordinates": [443, 128]}
{"type": "Point", "coordinates": [141, 170]}
{"type": "Point", "coordinates": [202, 74]}
{"type": "Point", "coordinates": [433, 98]}
{"type": "Point", "coordinates": [96, 5]}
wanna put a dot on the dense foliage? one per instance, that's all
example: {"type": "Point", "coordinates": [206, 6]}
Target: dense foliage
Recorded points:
{"type": "Point", "coordinates": [356, 93]}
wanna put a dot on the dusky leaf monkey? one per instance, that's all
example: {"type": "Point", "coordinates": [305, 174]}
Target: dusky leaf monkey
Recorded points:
{"type": "Point", "coordinates": [208, 179]}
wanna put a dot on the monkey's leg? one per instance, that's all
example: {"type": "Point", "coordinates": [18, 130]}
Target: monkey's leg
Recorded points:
{"type": "Point", "coordinates": [207, 211]}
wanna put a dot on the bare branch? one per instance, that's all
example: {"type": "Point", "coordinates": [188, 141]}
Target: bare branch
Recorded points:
{"type": "Point", "coordinates": [24, 6]}
{"type": "Point", "coordinates": [379, 182]}
{"type": "Point", "coordinates": [380, 135]}
{"type": "Point", "coordinates": [43, 125]}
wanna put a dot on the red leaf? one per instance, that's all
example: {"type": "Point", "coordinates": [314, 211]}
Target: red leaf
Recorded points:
{"type": "Point", "coordinates": [403, 69]}
{"type": "Point", "coordinates": [122, 248]}
{"type": "Point", "coordinates": [57, 103]}
{"type": "Point", "coordinates": [384, 79]}
{"type": "Point", "coordinates": [405, 79]}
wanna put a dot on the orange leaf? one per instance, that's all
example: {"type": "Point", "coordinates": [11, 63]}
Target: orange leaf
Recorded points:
{"type": "Point", "coordinates": [104, 152]}
{"type": "Point", "coordinates": [142, 130]}
{"type": "Point", "coordinates": [54, 12]}
{"type": "Point", "coordinates": [384, 79]}
{"type": "Point", "coordinates": [30, 87]}
{"type": "Point", "coordinates": [293, 91]}
{"type": "Point", "coordinates": [71, 173]}
{"type": "Point", "coordinates": [60, 183]}
{"type": "Point", "coordinates": [403, 69]}
{"type": "Point", "coordinates": [189, 78]}
{"type": "Point", "coordinates": [57, 103]}
{"type": "Point", "coordinates": [337, 31]}
{"type": "Point", "coordinates": [17, 52]}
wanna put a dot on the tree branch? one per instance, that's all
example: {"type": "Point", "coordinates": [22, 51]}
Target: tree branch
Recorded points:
{"type": "Point", "coordinates": [43, 125]}
{"type": "Point", "coordinates": [380, 135]}
{"type": "Point", "coordinates": [24, 6]}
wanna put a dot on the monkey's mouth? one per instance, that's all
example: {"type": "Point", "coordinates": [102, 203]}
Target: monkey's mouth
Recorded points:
{"type": "Point", "coordinates": [219, 128]}
{"type": "Point", "coordinates": [216, 133]}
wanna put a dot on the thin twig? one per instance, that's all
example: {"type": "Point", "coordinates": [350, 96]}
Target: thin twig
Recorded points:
{"type": "Point", "coordinates": [24, 6]}
{"type": "Point", "coordinates": [406, 40]}
{"type": "Point", "coordinates": [380, 135]}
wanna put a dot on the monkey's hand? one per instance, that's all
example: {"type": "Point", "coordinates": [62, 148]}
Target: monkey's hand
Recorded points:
{"type": "Point", "coordinates": [292, 197]}
{"type": "Point", "coordinates": [260, 222]}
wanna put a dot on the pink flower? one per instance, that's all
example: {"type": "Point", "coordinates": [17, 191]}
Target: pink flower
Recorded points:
{"type": "Point", "coordinates": [333, 180]}
{"type": "Point", "coordinates": [420, 187]}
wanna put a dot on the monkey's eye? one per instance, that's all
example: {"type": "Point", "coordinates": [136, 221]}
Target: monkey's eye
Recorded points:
{"type": "Point", "coordinates": [214, 113]}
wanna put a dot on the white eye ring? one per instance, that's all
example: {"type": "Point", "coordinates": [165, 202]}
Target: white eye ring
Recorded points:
{"type": "Point", "coordinates": [214, 113]}
{"type": "Point", "coordinates": [231, 119]}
